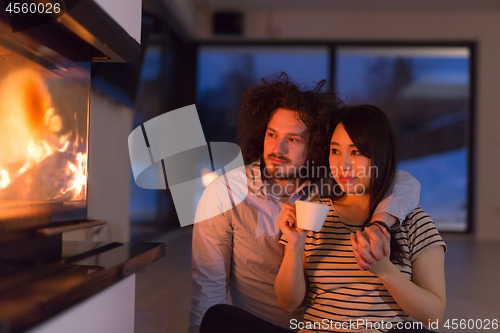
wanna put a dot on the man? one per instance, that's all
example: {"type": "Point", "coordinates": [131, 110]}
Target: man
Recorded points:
{"type": "Point", "coordinates": [237, 250]}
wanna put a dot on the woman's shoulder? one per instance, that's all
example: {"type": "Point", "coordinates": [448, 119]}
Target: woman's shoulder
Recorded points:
{"type": "Point", "coordinates": [420, 232]}
{"type": "Point", "coordinates": [417, 217]}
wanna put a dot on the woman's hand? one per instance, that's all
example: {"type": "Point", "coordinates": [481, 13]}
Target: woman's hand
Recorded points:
{"type": "Point", "coordinates": [424, 296]}
{"type": "Point", "coordinates": [368, 253]}
{"type": "Point", "coordinates": [372, 250]}
{"type": "Point", "coordinates": [288, 225]}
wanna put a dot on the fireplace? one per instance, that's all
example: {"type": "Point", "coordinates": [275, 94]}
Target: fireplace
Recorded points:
{"type": "Point", "coordinates": [47, 184]}
{"type": "Point", "coordinates": [45, 87]}
{"type": "Point", "coordinates": [43, 138]}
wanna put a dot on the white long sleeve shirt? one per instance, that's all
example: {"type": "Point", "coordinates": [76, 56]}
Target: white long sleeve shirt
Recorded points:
{"type": "Point", "coordinates": [238, 250]}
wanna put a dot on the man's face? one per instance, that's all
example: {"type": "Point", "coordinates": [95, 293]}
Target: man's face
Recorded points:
{"type": "Point", "coordinates": [285, 145]}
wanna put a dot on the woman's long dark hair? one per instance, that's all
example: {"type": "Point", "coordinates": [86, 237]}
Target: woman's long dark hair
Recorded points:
{"type": "Point", "coordinates": [371, 132]}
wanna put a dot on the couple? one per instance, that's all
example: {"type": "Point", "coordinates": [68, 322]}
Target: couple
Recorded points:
{"type": "Point", "coordinates": [239, 250]}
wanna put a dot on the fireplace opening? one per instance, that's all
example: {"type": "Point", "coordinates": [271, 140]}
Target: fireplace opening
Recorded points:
{"type": "Point", "coordinates": [43, 138]}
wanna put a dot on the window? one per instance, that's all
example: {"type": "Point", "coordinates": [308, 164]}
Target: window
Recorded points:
{"type": "Point", "coordinates": [425, 92]}
{"type": "Point", "coordinates": [224, 72]}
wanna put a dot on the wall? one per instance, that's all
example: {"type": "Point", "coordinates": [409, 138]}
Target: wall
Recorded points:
{"type": "Point", "coordinates": [108, 192]}
{"type": "Point", "coordinates": [352, 25]}
{"type": "Point", "coordinates": [184, 12]}
{"type": "Point", "coordinates": [110, 311]}
{"type": "Point", "coordinates": [127, 13]}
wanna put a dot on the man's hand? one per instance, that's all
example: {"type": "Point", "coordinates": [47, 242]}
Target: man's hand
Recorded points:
{"type": "Point", "coordinates": [386, 218]}
{"type": "Point", "coordinates": [372, 249]}
{"type": "Point", "coordinates": [288, 225]}
{"type": "Point", "coordinates": [367, 253]}
{"type": "Point", "coordinates": [367, 258]}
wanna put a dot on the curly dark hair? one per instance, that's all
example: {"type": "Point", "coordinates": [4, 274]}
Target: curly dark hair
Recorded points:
{"type": "Point", "coordinates": [260, 102]}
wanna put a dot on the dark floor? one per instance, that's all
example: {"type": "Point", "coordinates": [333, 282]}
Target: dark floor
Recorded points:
{"type": "Point", "coordinates": [163, 289]}
{"type": "Point", "coordinates": [163, 295]}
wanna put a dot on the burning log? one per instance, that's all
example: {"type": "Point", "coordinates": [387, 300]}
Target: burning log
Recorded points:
{"type": "Point", "coordinates": [47, 180]}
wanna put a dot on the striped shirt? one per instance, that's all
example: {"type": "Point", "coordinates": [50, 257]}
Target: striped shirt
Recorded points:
{"type": "Point", "coordinates": [341, 293]}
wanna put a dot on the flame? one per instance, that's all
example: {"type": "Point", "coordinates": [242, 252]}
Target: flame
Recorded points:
{"type": "Point", "coordinates": [4, 178]}
{"type": "Point", "coordinates": [29, 134]}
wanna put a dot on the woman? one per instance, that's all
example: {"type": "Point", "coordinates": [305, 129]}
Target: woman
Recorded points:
{"type": "Point", "coordinates": [349, 280]}
{"type": "Point", "coordinates": [407, 278]}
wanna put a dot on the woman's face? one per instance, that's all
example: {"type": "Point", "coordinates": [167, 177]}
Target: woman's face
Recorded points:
{"type": "Point", "coordinates": [350, 169]}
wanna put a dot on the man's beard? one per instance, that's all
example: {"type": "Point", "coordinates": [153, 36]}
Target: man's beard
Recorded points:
{"type": "Point", "coordinates": [281, 172]}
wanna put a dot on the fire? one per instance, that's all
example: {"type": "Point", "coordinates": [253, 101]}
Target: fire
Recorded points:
{"type": "Point", "coordinates": [4, 178]}
{"type": "Point", "coordinates": [33, 151]}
